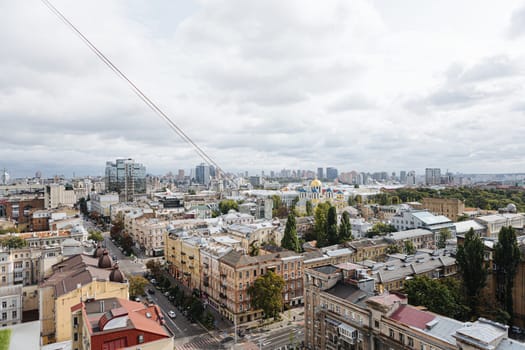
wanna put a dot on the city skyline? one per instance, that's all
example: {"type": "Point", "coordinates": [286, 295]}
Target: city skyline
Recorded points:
{"type": "Point", "coordinates": [262, 85]}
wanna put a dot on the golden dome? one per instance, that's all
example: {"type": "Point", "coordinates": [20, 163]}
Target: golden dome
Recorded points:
{"type": "Point", "coordinates": [316, 183]}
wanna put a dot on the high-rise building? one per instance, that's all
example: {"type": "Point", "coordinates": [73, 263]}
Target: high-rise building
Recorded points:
{"type": "Point", "coordinates": [126, 178]}
{"type": "Point", "coordinates": [432, 176]}
{"type": "Point", "coordinates": [403, 177]}
{"type": "Point", "coordinates": [202, 174]}
{"type": "Point", "coordinates": [411, 178]}
{"type": "Point", "coordinates": [320, 173]}
{"type": "Point", "coordinates": [180, 175]}
{"type": "Point", "coordinates": [331, 174]}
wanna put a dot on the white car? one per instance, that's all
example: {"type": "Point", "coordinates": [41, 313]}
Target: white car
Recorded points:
{"type": "Point", "coordinates": [172, 314]}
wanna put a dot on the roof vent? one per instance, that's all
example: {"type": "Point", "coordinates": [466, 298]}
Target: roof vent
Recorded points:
{"type": "Point", "coordinates": [432, 323]}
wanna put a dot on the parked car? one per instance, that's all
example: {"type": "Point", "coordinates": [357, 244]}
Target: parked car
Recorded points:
{"type": "Point", "coordinates": [153, 281]}
{"type": "Point", "coordinates": [172, 314]}
{"type": "Point", "coordinates": [151, 291]}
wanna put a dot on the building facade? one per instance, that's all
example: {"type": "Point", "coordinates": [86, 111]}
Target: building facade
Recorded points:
{"type": "Point", "coordinates": [126, 177]}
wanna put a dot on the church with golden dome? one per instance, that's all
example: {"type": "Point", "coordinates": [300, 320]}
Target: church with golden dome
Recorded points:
{"type": "Point", "coordinates": [315, 193]}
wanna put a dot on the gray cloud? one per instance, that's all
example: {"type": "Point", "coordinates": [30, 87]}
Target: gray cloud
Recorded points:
{"type": "Point", "coordinates": [261, 85]}
{"type": "Point", "coordinates": [517, 23]}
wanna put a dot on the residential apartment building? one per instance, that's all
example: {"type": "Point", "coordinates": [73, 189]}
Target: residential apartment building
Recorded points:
{"type": "Point", "coordinates": [432, 176]}
{"type": "Point", "coordinates": [342, 312]}
{"type": "Point", "coordinates": [258, 232]}
{"type": "Point", "coordinates": [371, 249]}
{"type": "Point", "coordinates": [148, 235]}
{"type": "Point", "coordinates": [238, 271]}
{"type": "Point", "coordinates": [494, 223]}
{"type": "Point", "coordinates": [57, 195]}
{"type": "Point", "coordinates": [392, 274]}
{"type": "Point", "coordinates": [420, 238]}
{"type": "Point", "coordinates": [412, 219]}
{"type": "Point", "coordinates": [117, 323]}
{"type": "Point", "coordinates": [20, 208]}
{"type": "Point", "coordinates": [10, 305]}
{"type": "Point", "coordinates": [450, 207]}
{"type": "Point", "coordinates": [101, 203]}
{"type": "Point", "coordinates": [79, 278]}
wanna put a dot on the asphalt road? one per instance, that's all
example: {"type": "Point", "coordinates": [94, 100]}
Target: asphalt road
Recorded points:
{"type": "Point", "coordinates": [278, 338]}
{"type": "Point", "coordinates": [180, 325]}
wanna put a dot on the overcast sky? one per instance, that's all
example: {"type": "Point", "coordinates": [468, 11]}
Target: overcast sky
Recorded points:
{"type": "Point", "coordinates": [264, 85]}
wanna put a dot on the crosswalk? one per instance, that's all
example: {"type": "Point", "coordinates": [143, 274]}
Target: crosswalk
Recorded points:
{"type": "Point", "coordinates": [199, 343]}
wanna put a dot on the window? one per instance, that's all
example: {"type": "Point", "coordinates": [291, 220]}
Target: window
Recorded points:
{"type": "Point", "coordinates": [3, 268]}
{"type": "Point", "coordinates": [298, 264]}
{"type": "Point", "coordinates": [402, 338]}
{"type": "Point", "coordinates": [285, 276]}
{"type": "Point", "coordinates": [286, 266]}
{"type": "Point", "coordinates": [4, 316]}
{"type": "Point", "coordinates": [254, 273]}
{"type": "Point", "coordinates": [240, 296]}
{"type": "Point", "coordinates": [278, 267]}
{"type": "Point", "coordinates": [4, 304]}
{"type": "Point", "coordinates": [240, 285]}
{"type": "Point", "coordinates": [376, 323]}
{"type": "Point", "coordinates": [410, 342]}
{"type": "Point", "coordinates": [391, 332]}
{"type": "Point", "coordinates": [247, 274]}
{"type": "Point", "coordinates": [293, 274]}
{"type": "Point", "coordinates": [240, 275]}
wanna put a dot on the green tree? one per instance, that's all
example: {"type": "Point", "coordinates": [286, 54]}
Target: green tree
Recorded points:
{"type": "Point", "coordinates": [137, 285]}
{"type": "Point", "coordinates": [393, 249]}
{"type": "Point", "coordinates": [266, 294]}
{"type": "Point", "coordinates": [444, 234]}
{"type": "Point", "coordinates": [442, 296]}
{"type": "Point", "coordinates": [227, 204]}
{"type": "Point", "coordinates": [154, 267]}
{"type": "Point", "coordinates": [345, 228]}
{"type": "Point", "coordinates": [409, 247]}
{"type": "Point", "coordinates": [380, 229]}
{"type": "Point", "coordinates": [471, 266]}
{"type": "Point", "coordinates": [506, 257]}
{"type": "Point", "coordinates": [95, 236]}
{"type": "Point", "coordinates": [320, 220]}
{"type": "Point", "coordinates": [82, 206]}
{"type": "Point", "coordinates": [254, 249]}
{"type": "Point", "coordinates": [13, 242]}
{"type": "Point", "coordinates": [331, 226]}
{"type": "Point", "coordinates": [309, 208]}
{"type": "Point", "coordinates": [290, 240]}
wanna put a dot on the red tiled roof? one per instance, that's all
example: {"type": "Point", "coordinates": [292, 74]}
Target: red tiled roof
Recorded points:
{"type": "Point", "coordinates": [412, 316]}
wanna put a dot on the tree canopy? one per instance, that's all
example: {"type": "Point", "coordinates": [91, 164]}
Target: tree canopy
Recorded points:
{"type": "Point", "coordinates": [471, 265]}
{"type": "Point", "coordinates": [266, 294]}
{"type": "Point", "coordinates": [442, 296]}
{"type": "Point", "coordinates": [13, 242]}
{"type": "Point", "coordinates": [95, 236]}
{"type": "Point", "coordinates": [320, 223]}
{"type": "Point", "coordinates": [290, 240]}
{"type": "Point", "coordinates": [227, 204]}
{"type": "Point", "coordinates": [380, 229]}
{"type": "Point", "coordinates": [345, 228]}
{"type": "Point", "coordinates": [331, 226]}
{"type": "Point", "coordinates": [137, 285]}
{"type": "Point", "coordinates": [506, 257]}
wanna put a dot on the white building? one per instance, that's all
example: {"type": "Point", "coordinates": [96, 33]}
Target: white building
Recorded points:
{"type": "Point", "coordinates": [10, 305]}
{"type": "Point", "coordinates": [56, 195]}
{"type": "Point", "coordinates": [101, 203]}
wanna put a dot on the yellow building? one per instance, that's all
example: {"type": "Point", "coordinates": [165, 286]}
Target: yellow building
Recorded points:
{"type": "Point", "coordinates": [78, 278]}
{"type": "Point", "coordinates": [316, 194]}
{"type": "Point", "coordinates": [182, 253]}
